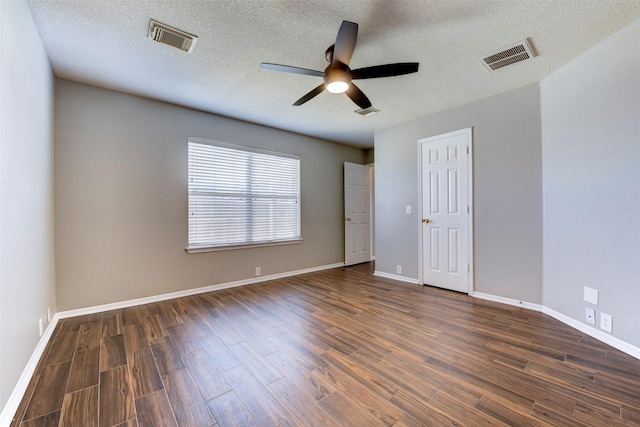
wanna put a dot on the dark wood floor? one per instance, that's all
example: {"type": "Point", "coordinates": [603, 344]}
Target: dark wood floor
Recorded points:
{"type": "Point", "coordinates": [333, 348]}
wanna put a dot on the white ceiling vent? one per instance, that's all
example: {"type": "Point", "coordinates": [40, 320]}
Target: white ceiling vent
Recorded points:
{"type": "Point", "coordinates": [520, 51]}
{"type": "Point", "coordinates": [366, 111]}
{"type": "Point", "coordinates": [171, 36]}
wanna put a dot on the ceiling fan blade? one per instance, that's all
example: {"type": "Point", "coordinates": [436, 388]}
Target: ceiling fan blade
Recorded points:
{"type": "Point", "coordinates": [290, 69]}
{"type": "Point", "coordinates": [310, 95]}
{"type": "Point", "coordinates": [345, 43]}
{"type": "Point", "coordinates": [358, 96]}
{"type": "Point", "coordinates": [387, 70]}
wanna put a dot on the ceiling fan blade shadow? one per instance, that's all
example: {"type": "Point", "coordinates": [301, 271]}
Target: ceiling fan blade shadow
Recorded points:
{"type": "Point", "coordinates": [310, 95]}
{"type": "Point", "coordinates": [345, 43]}
{"type": "Point", "coordinates": [358, 96]}
{"type": "Point", "coordinates": [386, 70]}
{"type": "Point", "coordinates": [290, 69]}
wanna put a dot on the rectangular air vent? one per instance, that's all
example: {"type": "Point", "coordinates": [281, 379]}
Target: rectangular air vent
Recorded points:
{"type": "Point", "coordinates": [509, 55]}
{"type": "Point", "coordinates": [366, 111]}
{"type": "Point", "coordinates": [171, 36]}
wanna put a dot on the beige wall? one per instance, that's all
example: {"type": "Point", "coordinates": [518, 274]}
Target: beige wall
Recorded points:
{"type": "Point", "coordinates": [27, 286]}
{"type": "Point", "coordinates": [121, 198]}
{"type": "Point", "coordinates": [507, 192]}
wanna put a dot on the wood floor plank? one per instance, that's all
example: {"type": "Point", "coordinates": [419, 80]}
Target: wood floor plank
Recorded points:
{"type": "Point", "coordinates": [166, 355]}
{"type": "Point", "coordinates": [80, 408]}
{"type": "Point", "coordinates": [499, 412]}
{"type": "Point", "coordinates": [89, 335]}
{"type": "Point", "coordinates": [462, 413]}
{"type": "Point", "coordinates": [85, 369]}
{"type": "Point", "coordinates": [154, 328]}
{"type": "Point", "coordinates": [348, 412]}
{"type": "Point", "coordinates": [314, 387]}
{"type": "Point", "coordinates": [145, 378]}
{"type": "Point", "coordinates": [135, 338]}
{"type": "Point", "coordinates": [116, 398]}
{"type": "Point", "coordinates": [112, 352]}
{"type": "Point", "coordinates": [112, 323]}
{"type": "Point", "coordinates": [49, 392]}
{"type": "Point", "coordinates": [188, 405]}
{"type": "Point", "coordinates": [302, 355]}
{"type": "Point", "coordinates": [50, 420]}
{"type": "Point", "coordinates": [229, 411]}
{"type": "Point", "coordinates": [62, 349]}
{"type": "Point", "coordinates": [255, 363]}
{"type": "Point", "coordinates": [421, 410]}
{"type": "Point", "coordinates": [385, 412]}
{"type": "Point", "coordinates": [255, 397]}
{"type": "Point", "coordinates": [208, 378]}
{"type": "Point", "coordinates": [335, 345]}
{"type": "Point", "coordinates": [301, 407]}
{"type": "Point", "coordinates": [154, 410]}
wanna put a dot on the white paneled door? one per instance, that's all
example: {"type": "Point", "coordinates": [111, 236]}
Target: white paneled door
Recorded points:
{"type": "Point", "coordinates": [357, 213]}
{"type": "Point", "coordinates": [445, 171]}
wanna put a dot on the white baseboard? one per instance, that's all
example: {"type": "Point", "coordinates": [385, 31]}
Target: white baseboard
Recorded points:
{"type": "Point", "coordinates": [509, 301]}
{"type": "Point", "coordinates": [188, 292]}
{"type": "Point", "coordinates": [396, 277]}
{"type": "Point", "coordinates": [582, 327]}
{"type": "Point", "coordinates": [21, 387]}
{"type": "Point", "coordinates": [19, 390]}
{"type": "Point", "coordinates": [595, 333]}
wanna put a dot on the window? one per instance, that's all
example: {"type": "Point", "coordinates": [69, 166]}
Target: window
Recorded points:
{"type": "Point", "coordinates": [241, 196]}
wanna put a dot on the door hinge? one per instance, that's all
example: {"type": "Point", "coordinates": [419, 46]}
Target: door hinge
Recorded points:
{"type": "Point", "coordinates": [467, 150]}
{"type": "Point", "coordinates": [468, 268]}
{"type": "Point", "coordinates": [467, 209]}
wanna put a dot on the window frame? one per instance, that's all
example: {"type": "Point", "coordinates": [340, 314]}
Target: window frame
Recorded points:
{"type": "Point", "coordinates": [212, 247]}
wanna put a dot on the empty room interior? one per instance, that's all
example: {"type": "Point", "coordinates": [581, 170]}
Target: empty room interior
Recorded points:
{"type": "Point", "coordinates": [319, 213]}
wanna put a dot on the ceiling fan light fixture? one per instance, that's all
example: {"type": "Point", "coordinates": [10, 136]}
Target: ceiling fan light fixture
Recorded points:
{"type": "Point", "coordinates": [337, 86]}
{"type": "Point", "coordinates": [337, 79]}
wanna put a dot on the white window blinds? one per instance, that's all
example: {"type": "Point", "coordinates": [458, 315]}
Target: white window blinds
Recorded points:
{"type": "Point", "coordinates": [241, 196]}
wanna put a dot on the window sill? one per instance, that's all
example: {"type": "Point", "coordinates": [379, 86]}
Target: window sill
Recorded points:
{"type": "Point", "coordinates": [200, 249]}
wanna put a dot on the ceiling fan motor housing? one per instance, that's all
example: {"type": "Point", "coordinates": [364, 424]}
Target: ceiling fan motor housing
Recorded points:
{"type": "Point", "coordinates": [338, 77]}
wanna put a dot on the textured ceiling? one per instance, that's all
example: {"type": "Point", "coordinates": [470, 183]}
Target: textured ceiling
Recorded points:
{"type": "Point", "coordinates": [104, 43]}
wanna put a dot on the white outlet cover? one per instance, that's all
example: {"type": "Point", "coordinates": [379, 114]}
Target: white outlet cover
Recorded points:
{"type": "Point", "coordinates": [408, 209]}
{"type": "Point", "coordinates": [606, 321]}
{"type": "Point", "coordinates": [590, 316]}
{"type": "Point", "coordinates": [591, 295]}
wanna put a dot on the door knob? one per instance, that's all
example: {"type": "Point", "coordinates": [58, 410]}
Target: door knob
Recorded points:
{"type": "Point", "coordinates": [426, 220]}
{"type": "Point", "coordinates": [346, 218]}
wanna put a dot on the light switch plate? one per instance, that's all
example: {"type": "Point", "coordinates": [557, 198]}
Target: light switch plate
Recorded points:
{"type": "Point", "coordinates": [408, 209]}
{"type": "Point", "coordinates": [591, 295]}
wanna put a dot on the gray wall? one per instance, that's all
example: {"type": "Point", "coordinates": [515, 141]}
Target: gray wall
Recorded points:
{"type": "Point", "coordinates": [27, 286]}
{"type": "Point", "coordinates": [121, 198]}
{"type": "Point", "coordinates": [507, 178]}
{"type": "Point", "coordinates": [591, 165]}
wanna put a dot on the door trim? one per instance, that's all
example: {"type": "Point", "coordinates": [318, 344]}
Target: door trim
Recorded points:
{"type": "Point", "coordinates": [469, 133]}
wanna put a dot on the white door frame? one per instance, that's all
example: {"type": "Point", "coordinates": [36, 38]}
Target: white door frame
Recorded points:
{"type": "Point", "coordinates": [469, 133]}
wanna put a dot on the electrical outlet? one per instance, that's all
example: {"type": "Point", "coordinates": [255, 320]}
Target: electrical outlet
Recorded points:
{"type": "Point", "coordinates": [40, 326]}
{"type": "Point", "coordinates": [398, 269]}
{"type": "Point", "coordinates": [258, 271]}
{"type": "Point", "coordinates": [606, 321]}
{"type": "Point", "coordinates": [408, 209]}
{"type": "Point", "coordinates": [590, 315]}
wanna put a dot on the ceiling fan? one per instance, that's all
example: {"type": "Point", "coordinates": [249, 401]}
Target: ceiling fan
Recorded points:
{"type": "Point", "coordinates": [338, 76]}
